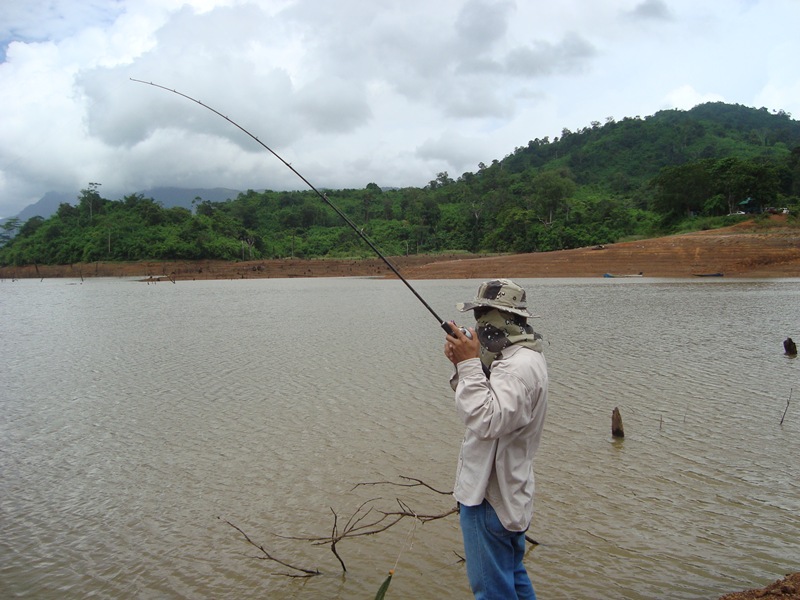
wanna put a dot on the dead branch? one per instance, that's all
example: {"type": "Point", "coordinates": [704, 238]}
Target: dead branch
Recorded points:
{"type": "Point", "coordinates": [416, 483]}
{"type": "Point", "coordinates": [360, 524]}
{"type": "Point", "coordinates": [268, 556]}
{"type": "Point", "coordinates": [334, 539]}
{"type": "Point", "coordinates": [405, 511]}
{"type": "Point", "coordinates": [366, 520]}
{"type": "Point", "coordinates": [787, 406]}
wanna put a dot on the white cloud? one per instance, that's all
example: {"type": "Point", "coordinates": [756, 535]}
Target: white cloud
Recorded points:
{"type": "Point", "coordinates": [451, 148]}
{"type": "Point", "coordinates": [352, 92]}
{"type": "Point", "coordinates": [686, 97]}
{"type": "Point", "coordinates": [40, 20]}
{"type": "Point", "coordinates": [651, 9]}
{"type": "Point", "coordinates": [544, 58]}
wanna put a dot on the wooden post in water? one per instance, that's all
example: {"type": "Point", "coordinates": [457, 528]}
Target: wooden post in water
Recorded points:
{"type": "Point", "coordinates": [617, 430]}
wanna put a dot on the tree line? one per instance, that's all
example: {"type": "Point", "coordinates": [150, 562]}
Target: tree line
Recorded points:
{"type": "Point", "coordinates": [635, 177]}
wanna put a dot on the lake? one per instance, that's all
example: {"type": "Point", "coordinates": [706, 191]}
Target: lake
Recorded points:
{"type": "Point", "coordinates": [139, 420]}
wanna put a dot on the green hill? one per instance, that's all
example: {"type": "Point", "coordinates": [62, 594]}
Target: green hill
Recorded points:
{"type": "Point", "coordinates": [637, 148]}
{"type": "Point", "coordinates": [633, 177]}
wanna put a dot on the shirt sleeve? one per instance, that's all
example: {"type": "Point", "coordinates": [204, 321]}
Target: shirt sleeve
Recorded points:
{"type": "Point", "coordinates": [494, 407]}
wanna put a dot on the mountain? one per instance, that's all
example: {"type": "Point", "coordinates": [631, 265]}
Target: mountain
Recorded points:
{"type": "Point", "coordinates": [48, 204]}
{"type": "Point", "coordinates": [174, 196]}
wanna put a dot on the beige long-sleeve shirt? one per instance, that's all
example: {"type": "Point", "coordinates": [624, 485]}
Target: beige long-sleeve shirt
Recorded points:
{"type": "Point", "coordinates": [504, 417]}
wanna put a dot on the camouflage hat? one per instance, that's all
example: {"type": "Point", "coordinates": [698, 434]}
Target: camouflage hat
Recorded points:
{"type": "Point", "coordinates": [502, 294]}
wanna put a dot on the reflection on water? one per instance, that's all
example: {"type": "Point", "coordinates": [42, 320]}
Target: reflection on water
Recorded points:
{"type": "Point", "coordinates": [137, 418]}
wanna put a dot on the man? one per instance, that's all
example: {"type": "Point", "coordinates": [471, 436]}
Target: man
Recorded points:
{"type": "Point", "coordinates": [501, 395]}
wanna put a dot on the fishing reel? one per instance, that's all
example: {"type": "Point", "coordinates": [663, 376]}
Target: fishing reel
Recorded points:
{"type": "Point", "coordinates": [449, 330]}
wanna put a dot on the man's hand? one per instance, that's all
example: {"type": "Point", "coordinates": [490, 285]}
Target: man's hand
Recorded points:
{"type": "Point", "coordinates": [458, 346]}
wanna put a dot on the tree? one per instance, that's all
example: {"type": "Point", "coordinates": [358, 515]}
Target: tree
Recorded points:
{"type": "Point", "coordinates": [66, 212]}
{"type": "Point", "coordinates": [551, 189]}
{"type": "Point", "coordinates": [793, 166]}
{"type": "Point", "coordinates": [682, 189]}
{"type": "Point", "coordinates": [9, 229]}
{"type": "Point", "coordinates": [367, 198]}
{"type": "Point", "coordinates": [89, 200]}
{"type": "Point", "coordinates": [732, 179]}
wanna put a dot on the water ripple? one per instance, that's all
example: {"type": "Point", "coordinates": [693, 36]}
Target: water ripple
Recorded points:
{"type": "Point", "coordinates": [137, 419]}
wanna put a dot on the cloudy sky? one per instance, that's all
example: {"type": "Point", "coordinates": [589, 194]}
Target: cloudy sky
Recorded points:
{"type": "Point", "coordinates": [354, 91]}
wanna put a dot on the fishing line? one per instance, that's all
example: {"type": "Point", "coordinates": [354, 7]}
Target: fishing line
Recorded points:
{"type": "Point", "coordinates": [443, 324]}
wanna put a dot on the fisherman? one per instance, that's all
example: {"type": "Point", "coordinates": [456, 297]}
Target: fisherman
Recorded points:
{"type": "Point", "coordinates": [789, 347]}
{"type": "Point", "coordinates": [500, 388]}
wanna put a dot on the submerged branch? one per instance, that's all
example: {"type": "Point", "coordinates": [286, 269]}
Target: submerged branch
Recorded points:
{"type": "Point", "coordinates": [416, 483]}
{"type": "Point", "coordinates": [268, 556]}
{"type": "Point", "coordinates": [366, 520]}
{"type": "Point", "coordinates": [787, 406]}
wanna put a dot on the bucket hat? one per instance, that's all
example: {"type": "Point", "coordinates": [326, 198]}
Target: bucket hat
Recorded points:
{"type": "Point", "coordinates": [502, 294]}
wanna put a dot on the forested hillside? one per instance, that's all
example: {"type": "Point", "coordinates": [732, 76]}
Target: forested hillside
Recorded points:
{"type": "Point", "coordinates": [633, 177]}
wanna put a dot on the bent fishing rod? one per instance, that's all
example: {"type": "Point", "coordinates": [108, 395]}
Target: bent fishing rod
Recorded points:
{"type": "Point", "coordinates": [442, 323]}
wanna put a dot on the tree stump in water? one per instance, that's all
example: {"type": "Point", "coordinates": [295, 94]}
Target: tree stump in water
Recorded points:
{"type": "Point", "coordinates": [789, 347]}
{"type": "Point", "coordinates": [616, 424]}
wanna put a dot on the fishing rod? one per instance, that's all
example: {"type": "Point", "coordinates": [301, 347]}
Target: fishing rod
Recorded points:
{"type": "Point", "coordinates": [442, 323]}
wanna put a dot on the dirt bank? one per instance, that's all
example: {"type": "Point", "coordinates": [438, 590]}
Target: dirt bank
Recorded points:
{"type": "Point", "coordinates": [182, 270]}
{"type": "Point", "coordinates": [787, 588]}
{"type": "Point", "coordinates": [743, 250]}
{"type": "Point", "coordinates": [770, 249]}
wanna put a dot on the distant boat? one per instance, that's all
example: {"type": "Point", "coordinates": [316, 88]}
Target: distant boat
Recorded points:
{"type": "Point", "coordinates": [631, 275]}
{"type": "Point", "coordinates": [707, 274]}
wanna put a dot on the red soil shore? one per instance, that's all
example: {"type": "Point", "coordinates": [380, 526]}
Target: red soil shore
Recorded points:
{"type": "Point", "coordinates": [743, 250]}
{"type": "Point", "coordinates": [787, 588]}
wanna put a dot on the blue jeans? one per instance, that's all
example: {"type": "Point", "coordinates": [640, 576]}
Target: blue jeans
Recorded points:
{"type": "Point", "coordinates": [494, 556]}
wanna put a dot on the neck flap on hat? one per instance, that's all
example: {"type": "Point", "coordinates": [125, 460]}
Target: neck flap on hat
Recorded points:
{"type": "Point", "coordinates": [497, 331]}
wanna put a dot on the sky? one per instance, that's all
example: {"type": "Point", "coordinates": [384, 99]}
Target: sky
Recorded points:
{"type": "Point", "coordinates": [351, 92]}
